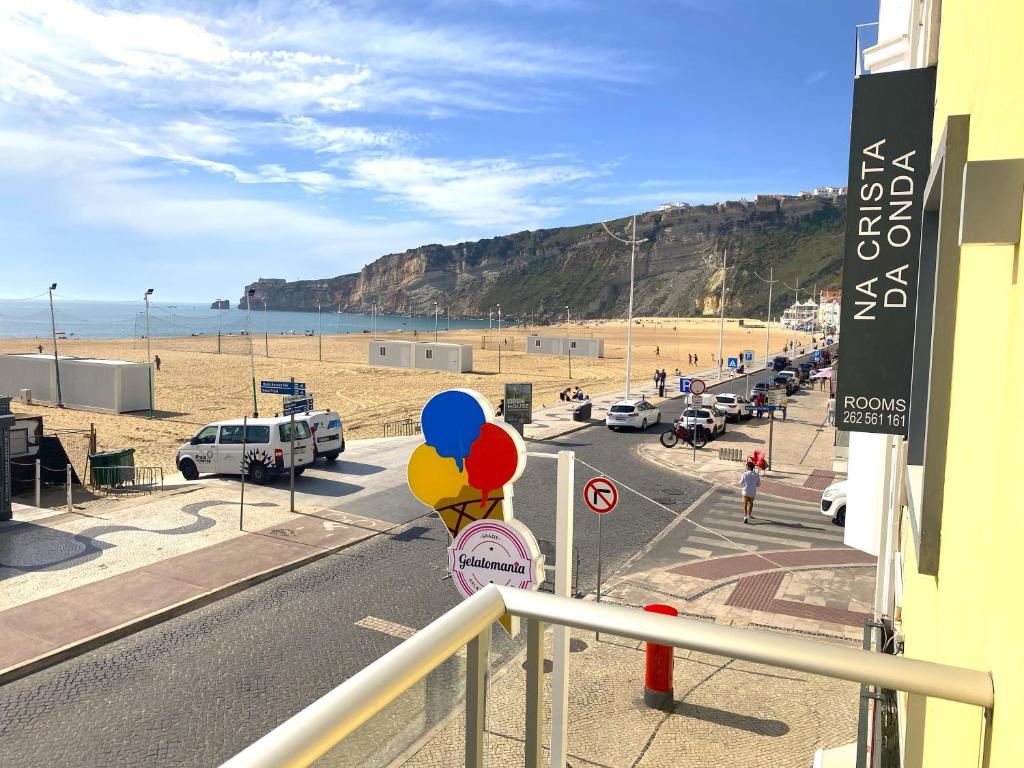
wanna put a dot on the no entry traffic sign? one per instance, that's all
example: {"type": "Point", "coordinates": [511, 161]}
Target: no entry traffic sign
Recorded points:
{"type": "Point", "coordinates": [697, 387]}
{"type": "Point", "coordinates": [601, 495]}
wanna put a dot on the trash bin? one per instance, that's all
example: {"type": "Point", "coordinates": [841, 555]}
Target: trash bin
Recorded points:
{"type": "Point", "coordinates": [112, 467]}
{"type": "Point", "coordinates": [582, 411]}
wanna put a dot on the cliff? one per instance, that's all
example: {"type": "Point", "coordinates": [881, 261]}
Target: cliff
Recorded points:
{"type": "Point", "coordinates": [677, 268]}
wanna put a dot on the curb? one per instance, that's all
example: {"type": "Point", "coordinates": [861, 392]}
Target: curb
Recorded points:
{"type": "Point", "coordinates": [161, 615]}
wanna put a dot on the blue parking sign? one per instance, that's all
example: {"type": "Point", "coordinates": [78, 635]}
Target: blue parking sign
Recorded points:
{"type": "Point", "coordinates": [684, 386]}
{"type": "Point", "coordinates": [816, 355]}
{"type": "Point", "coordinates": [733, 362]}
{"type": "Point", "coordinates": [748, 356]}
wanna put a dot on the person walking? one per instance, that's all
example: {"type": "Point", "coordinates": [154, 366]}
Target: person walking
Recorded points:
{"type": "Point", "coordinates": [750, 481]}
{"type": "Point", "coordinates": [40, 348]}
{"type": "Point", "coordinates": [661, 383]}
{"type": "Point", "coordinates": [689, 358]}
{"type": "Point", "coordinates": [695, 360]}
{"type": "Point", "coordinates": [156, 359]}
{"type": "Point", "coordinates": [831, 409]}
{"type": "Point", "coordinates": [657, 351]}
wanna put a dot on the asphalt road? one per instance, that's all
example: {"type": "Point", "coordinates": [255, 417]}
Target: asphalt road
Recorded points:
{"type": "Point", "coordinates": [196, 689]}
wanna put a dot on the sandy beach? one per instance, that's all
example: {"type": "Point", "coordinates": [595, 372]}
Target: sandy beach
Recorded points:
{"type": "Point", "coordinates": [196, 384]}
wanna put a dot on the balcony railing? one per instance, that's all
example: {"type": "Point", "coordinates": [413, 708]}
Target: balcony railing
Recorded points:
{"type": "Point", "coordinates": [312, 732]}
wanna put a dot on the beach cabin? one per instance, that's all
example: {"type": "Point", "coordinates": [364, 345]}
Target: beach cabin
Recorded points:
{"type": "Point", "coordinates": [392, 353]}
{"type": "Point", "coordinates": [584, 346]}
{"type": "Point", "coordinates": [444, 357]}
{"type": "Point", "coordinates": [115, 386]}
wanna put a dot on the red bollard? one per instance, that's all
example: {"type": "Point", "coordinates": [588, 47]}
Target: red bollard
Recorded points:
{"type": "Point", "coordinates": [658, 692]}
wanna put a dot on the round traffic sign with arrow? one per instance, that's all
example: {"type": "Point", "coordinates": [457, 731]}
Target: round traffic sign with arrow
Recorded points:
{"type": "Point", "coordinates": [601, 495]}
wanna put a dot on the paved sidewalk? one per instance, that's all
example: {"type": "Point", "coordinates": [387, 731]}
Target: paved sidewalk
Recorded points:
{"type": "Point", "coordinates": [802, 444]}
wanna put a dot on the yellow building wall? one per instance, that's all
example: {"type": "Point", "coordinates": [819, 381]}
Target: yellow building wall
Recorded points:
{"type": "Point", "coordinates": [972, 614]}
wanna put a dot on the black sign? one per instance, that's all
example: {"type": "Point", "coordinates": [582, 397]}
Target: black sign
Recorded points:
{"type": "Point", "coordinates": [890, 154]}
{"type": "Point", "coordinates": [519, 403]}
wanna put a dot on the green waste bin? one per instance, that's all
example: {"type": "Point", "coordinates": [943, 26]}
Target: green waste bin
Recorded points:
{"type": "Point", "coordinates": [112, 467]}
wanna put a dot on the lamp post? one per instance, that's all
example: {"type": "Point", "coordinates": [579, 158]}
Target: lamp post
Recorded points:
{"type": "Point", "coordinates": [721, 326]}
{"type": "Point", "coordinates": [447, 319]}
{"type": "Point", "coordinates": [56, 359]}
{"type": "Point", "coordinates": [567, 318]}
{"type": "Point", "coordinates": [768, 325]}
{"type": "Point", "coordinates": [149, 356]}
{"type": "Point", "coordinates": [320, 333]}
{"type": "Point", "coordinates": [490, 315]}
{"type": "Point", "coordinates": [435, 322]}
{"type": "Point", "coordinates": [373, 310]}
{"type": "Point", "coordinates": [499, 318]}
{"type": "Point", "coordinates": [266, 328]}
{"type": "Point", "coordinates": [252, 363]}
{"type": "Point", "coordinates": [632, 242]}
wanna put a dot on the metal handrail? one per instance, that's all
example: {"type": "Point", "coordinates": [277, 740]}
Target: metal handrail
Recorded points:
{"type": "Point", "coordinates": [312, 732]}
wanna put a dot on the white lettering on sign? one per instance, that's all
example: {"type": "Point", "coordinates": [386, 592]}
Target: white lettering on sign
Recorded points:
{"type": "Point", "coordinates": [876, 221]}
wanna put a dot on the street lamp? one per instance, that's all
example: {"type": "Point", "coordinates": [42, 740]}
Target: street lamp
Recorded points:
{"type": "Point", "coordinates": [448, 318]}
{"type": "Point", "coordinates": [320, 333]}
{"type": "Point", "coordinates": [435, 322]}
{"type": "Point", "coordinates": [373, 311]}
{"type": "Point", "coordinates": [632, 242]}
{"type": "Point", "coordinates": [721, 327]}
{"type": "Point", "coordinates": [768, 325]}
{"type": "Point", "coordinates": [567, 318]}
{"type": "Point", "coordinates": [252, 363]}
{"type": "Point", "coordinates": [266, 328]}
{"type": "Point", "coordinates": [149, 356]}
{"type": "Point", "coordinates": [56, 360]}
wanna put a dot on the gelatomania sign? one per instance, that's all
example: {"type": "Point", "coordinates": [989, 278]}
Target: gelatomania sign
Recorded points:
{"type": "Point", "coordinates": [890, 153]}
{"type": "Point", "coordinates": [501, 552]}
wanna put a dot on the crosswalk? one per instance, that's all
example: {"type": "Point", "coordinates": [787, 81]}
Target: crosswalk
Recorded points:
{"type": "Point", "coordinates": [716, 527]}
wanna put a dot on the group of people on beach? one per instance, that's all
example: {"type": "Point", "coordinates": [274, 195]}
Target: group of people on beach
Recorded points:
{"type": "Point", "coordinates": [569, 394]}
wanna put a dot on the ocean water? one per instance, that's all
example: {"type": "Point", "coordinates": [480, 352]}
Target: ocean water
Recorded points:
{"type": "Point", "coordinates": [127, 320]}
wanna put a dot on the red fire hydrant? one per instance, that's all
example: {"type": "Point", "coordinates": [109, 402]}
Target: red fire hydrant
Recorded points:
{"type": "Point", "coordinates": [658, 692]}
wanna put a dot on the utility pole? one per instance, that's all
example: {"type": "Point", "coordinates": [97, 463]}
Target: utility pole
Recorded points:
{"type": "Point", "coordinates": [149, 356]}
{"type": "Point", "coordinates": [56, 359]}
{"type": "Point", "coordinates": [567, 320]}
{"type": "Point", "coordinates": [252, 363]}
{"type": "Point", "coordinates": [768, 324]}
{"type": "Point", "coordinates": [632, 242]}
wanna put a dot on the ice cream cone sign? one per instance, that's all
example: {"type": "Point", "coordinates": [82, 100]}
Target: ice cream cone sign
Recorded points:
{"type": "Point", "coordinates": [464, 471]}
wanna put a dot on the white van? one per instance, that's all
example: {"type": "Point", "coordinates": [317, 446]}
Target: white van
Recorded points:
{"type": "Point", "coordinates": [217, 449]}
{"type": "Point", "coordinates": [328, 433]}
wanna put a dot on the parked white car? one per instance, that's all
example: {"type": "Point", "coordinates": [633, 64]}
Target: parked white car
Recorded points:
{"type": "Point", "coordinates": [638, 414]}
{"type": "Point", "coordinates": [833, 502]}
{"type": "Point", "coordinates": [217, 449]}
{"type": "Point", "coordinates": [328, 433]}
{"type": "Point", "coordinates": [736, 407]}
{"type": "Point", "coordinates": [710, 418]}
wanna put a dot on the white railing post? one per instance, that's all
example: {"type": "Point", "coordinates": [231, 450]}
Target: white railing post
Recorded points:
{"type": "Point", "coordinates": [39, 482]}
{"type": "Point", "coordinates": [563, 586]}
{"type": "Point", "coordinates": [534, 693]}
{"type": "Point", "coordinates": [69, 486]}
{"type": "Point", "coordinates": [478, 651]}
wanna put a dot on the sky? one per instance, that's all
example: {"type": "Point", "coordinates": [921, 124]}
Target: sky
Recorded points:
{"type": "Point", "coordinates": [196, 145]}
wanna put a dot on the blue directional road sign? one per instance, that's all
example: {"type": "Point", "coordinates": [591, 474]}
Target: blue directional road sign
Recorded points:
{"type": "Point", "coordinates": [684, 386]}
{"type": "Point", "coordinates": [732, 362]}
{"type": "Point", "coordinates": [828, 342]}
{"type": "Point", "coordinates": [297, 405]}
{"type": "Point", "coordinates": [283, 387]}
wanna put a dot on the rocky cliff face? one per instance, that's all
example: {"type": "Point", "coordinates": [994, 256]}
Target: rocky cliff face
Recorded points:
{"type": "Point", "coordinates": [678, 268]}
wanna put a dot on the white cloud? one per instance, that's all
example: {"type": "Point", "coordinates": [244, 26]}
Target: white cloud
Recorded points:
{"type": "Point", "coordinates": [815, 77]}
{"type": "Point", "coordinates": [489, 193]}
{"type": "Point", "coordinates": [308, 133]}
{"type": "Point", "coordinates": [20, 83]}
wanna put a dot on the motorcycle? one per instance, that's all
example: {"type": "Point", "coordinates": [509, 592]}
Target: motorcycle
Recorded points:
{"type": "Point", "coordinates": [679, 431]}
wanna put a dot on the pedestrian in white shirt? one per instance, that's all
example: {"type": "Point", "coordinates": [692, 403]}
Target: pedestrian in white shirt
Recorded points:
{"type": "Point", "coordinates": [750, 481]}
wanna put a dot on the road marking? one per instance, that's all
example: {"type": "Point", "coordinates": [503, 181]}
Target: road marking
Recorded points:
{"type": "Point", "coordinates": [387, 627]}
{"type": "Point", "coordinates": [698, 553]}
{"type": "Point", "coordinates": [330, 525]}
{"type": "Point", "coordinates": [720, 543]}
{"type": "Point", "coordinates": [775, 540]}
{"type": "Point", "coordinates": [734, 524]}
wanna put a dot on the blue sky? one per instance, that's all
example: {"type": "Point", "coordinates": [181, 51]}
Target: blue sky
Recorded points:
{"type": "Point", "coordinates": [194, 146]}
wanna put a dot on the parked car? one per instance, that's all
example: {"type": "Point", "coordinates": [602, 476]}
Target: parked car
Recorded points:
{"type": "Point", "coordinates": [780, 363]}
{"type": "Point", "coordinates": [638, 414]}
{"type": "Point", "coordinates": [806, 369]}
{"type": "Point", "coordinates": [328, 433]}
{"type": "Point", "coordinates": [796, 373]}
{"type": "Point", "coordinates": [217, 448]}
{"type": "Point", "coordinates": [833, 502]}
{"type": "Point", "coordinates": [785, 382]}
{"type": "Point", "coordinates": [760, 388]}
{"type": "Point", "coordinates": [710, 418]}
{"type": "Point", "coordinates": [735, 407]}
